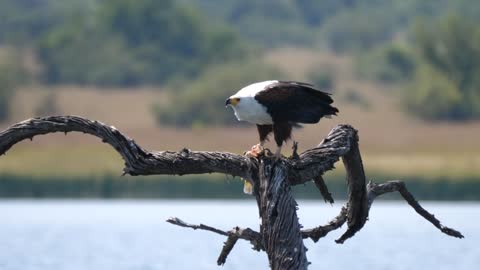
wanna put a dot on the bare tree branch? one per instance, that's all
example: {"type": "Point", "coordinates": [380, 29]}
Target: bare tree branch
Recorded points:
{"type": "Point", "coordinates": [357, 210]}
{"type": "Point", "coordinates": [316, 233]}
{"type": "Point", "coordinates": [342, 141]}
{"type": "Point", "coordinates": [181, 223]}
{"type": "Point", "coordinates": [233, 235]}
{"type": "Point", "coordinates": [227, 248]}
{"type": "Point", "coordinates": [375, 190]}
{"type": "Point", "coordinates": [280, 232]}
{"type": "Point", "coordinates": [138, 161]}
{"type": "Point", "coordinates": [322, 187]}
{"type": "Point", "coordinates": [318, 160]}
{"type": "Point", "coordinates": [295, 150]}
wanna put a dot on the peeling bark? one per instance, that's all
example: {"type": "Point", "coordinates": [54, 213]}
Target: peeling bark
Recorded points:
{"type": "Point", "coordinates": [280, 228]}
{"type": "Point", "coordinates": [281, 235]}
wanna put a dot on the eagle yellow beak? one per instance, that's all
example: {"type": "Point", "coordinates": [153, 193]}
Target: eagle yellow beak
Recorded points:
{"type": "Point", "coordinates": [232, 101]}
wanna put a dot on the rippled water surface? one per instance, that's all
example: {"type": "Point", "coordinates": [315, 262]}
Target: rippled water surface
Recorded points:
{"type": "Point", "coordinates": [102, 235]}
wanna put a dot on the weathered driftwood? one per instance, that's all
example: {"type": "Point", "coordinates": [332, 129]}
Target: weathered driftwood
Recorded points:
{"type": "Point", "coordinates": [280, 232]}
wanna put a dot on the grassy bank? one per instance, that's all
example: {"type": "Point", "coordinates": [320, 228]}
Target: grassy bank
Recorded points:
{"type": "Point", "coordinates": [77, 155]}
{"type": "Point", "coordinates": [208, 187]}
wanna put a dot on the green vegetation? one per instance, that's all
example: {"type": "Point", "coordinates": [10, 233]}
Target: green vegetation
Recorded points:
{"type": "Point", "coordinates": [11, 73]}
{"type": "Point", "coordinates": [323, 78]}
{"type": "Point", "coordinates": [199, 52]}
{"type": "Point", "coordinates": [438, 70]}
{"type": "Point", "coordinates": [352, 31]}
{"type": "Point", "coordinates": [355, 98]}
{"type": "Point", "coordinates": [201, 102]}
{"type": "Point", "coordinates": [447, 82]}
{"type": "Point", "coordinates": [110, 186]}
{"type": "Point", "coordinates": [273, 22]}
{"type": "Point", "coordinates": [131, 42]}
{"type": "Point", "coordinates": [24, 21]}
{"type": "Point", "coordinates": [387, 64]}
{"type": "Point", "coordinates": [205, 187]}
{"type": "Point", "coordinates": [341, 25]}
{"type": "Point", "coordinates": [5, 94]}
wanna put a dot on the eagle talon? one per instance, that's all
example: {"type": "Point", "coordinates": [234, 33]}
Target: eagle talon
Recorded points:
{"type": "Point", "coordinates": [278, 153]}
{"type": "Point", "coordinates": [277, 107]}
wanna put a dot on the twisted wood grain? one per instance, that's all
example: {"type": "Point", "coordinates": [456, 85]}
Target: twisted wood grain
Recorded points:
{"type": "Point", "coordinates": [138, 161]}
{"type": "Point", "coordinates": [280, 233]}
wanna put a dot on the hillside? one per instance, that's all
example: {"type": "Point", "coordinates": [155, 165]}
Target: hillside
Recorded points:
{"type": "Point", "coordinates": [393, 143]}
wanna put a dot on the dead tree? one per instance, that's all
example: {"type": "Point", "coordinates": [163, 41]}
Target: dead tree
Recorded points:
{"type": "Point", "coordinates": [280, 235]}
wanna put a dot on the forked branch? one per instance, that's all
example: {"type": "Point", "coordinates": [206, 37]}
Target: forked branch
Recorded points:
{"type": "Point", "coordinates": [233, 235]}
{"type": "Point", "coordinates": [375, 190]}
{"type": "Point", "coordinates": [280, 235]}
{"type": "Point", "coordinates": [138, 161]}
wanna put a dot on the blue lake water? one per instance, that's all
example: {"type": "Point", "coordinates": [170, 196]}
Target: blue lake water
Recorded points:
{"type": "Point", "coordinates": [121, 235]}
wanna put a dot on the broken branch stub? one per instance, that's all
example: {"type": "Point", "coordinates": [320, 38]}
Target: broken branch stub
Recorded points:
{"type": "Point", "coordinates": [281, 235]}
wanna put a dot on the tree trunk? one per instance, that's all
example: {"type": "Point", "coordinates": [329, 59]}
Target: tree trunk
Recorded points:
{"type": "Point", "coordinates": [281, 234]}
{"type": "Point", "coordinates": [280, 229]}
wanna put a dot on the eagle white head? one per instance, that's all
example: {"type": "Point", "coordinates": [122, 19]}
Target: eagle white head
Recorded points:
{"type": "Point", "coordinates": [247, 108]}
{"type": "Point", "coordinates": [277, 106]}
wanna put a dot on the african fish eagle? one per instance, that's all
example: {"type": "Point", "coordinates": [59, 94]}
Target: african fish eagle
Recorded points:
{"type": "Point", "coordinates": [277, 106]}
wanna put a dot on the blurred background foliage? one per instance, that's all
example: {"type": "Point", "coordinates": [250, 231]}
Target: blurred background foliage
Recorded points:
{"type": "Point", "coordinates": [203, 97]}
{"type": "Point", "coordinates": [135, 42]}
{"type": "Point", "coordinates": [11, 74]}
{"type": "Point", "coordinates": [128, 43]}
{"type": "Point", "coordinates": [5, 93]}
{"type": "Point", "coordinates": [446, 81]}
{"type": "Point", "coordinates": [171, 64]}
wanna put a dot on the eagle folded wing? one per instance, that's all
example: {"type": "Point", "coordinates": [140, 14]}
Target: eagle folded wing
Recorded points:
{"type": "Point", "coordinates": [295, 102]}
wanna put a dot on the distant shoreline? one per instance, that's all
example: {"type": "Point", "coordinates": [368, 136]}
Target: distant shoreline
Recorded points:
{"type": "Point", "coordinates": [208, 187]}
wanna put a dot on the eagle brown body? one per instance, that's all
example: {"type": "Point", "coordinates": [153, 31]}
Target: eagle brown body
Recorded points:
{"type": "Point", "coordinates": [278, 106]}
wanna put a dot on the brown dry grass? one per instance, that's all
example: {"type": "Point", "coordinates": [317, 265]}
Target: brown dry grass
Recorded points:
{"type": "Point", "coordinates": [127, 108]}
{"type": "Point", "coordinates": [391, 140]}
